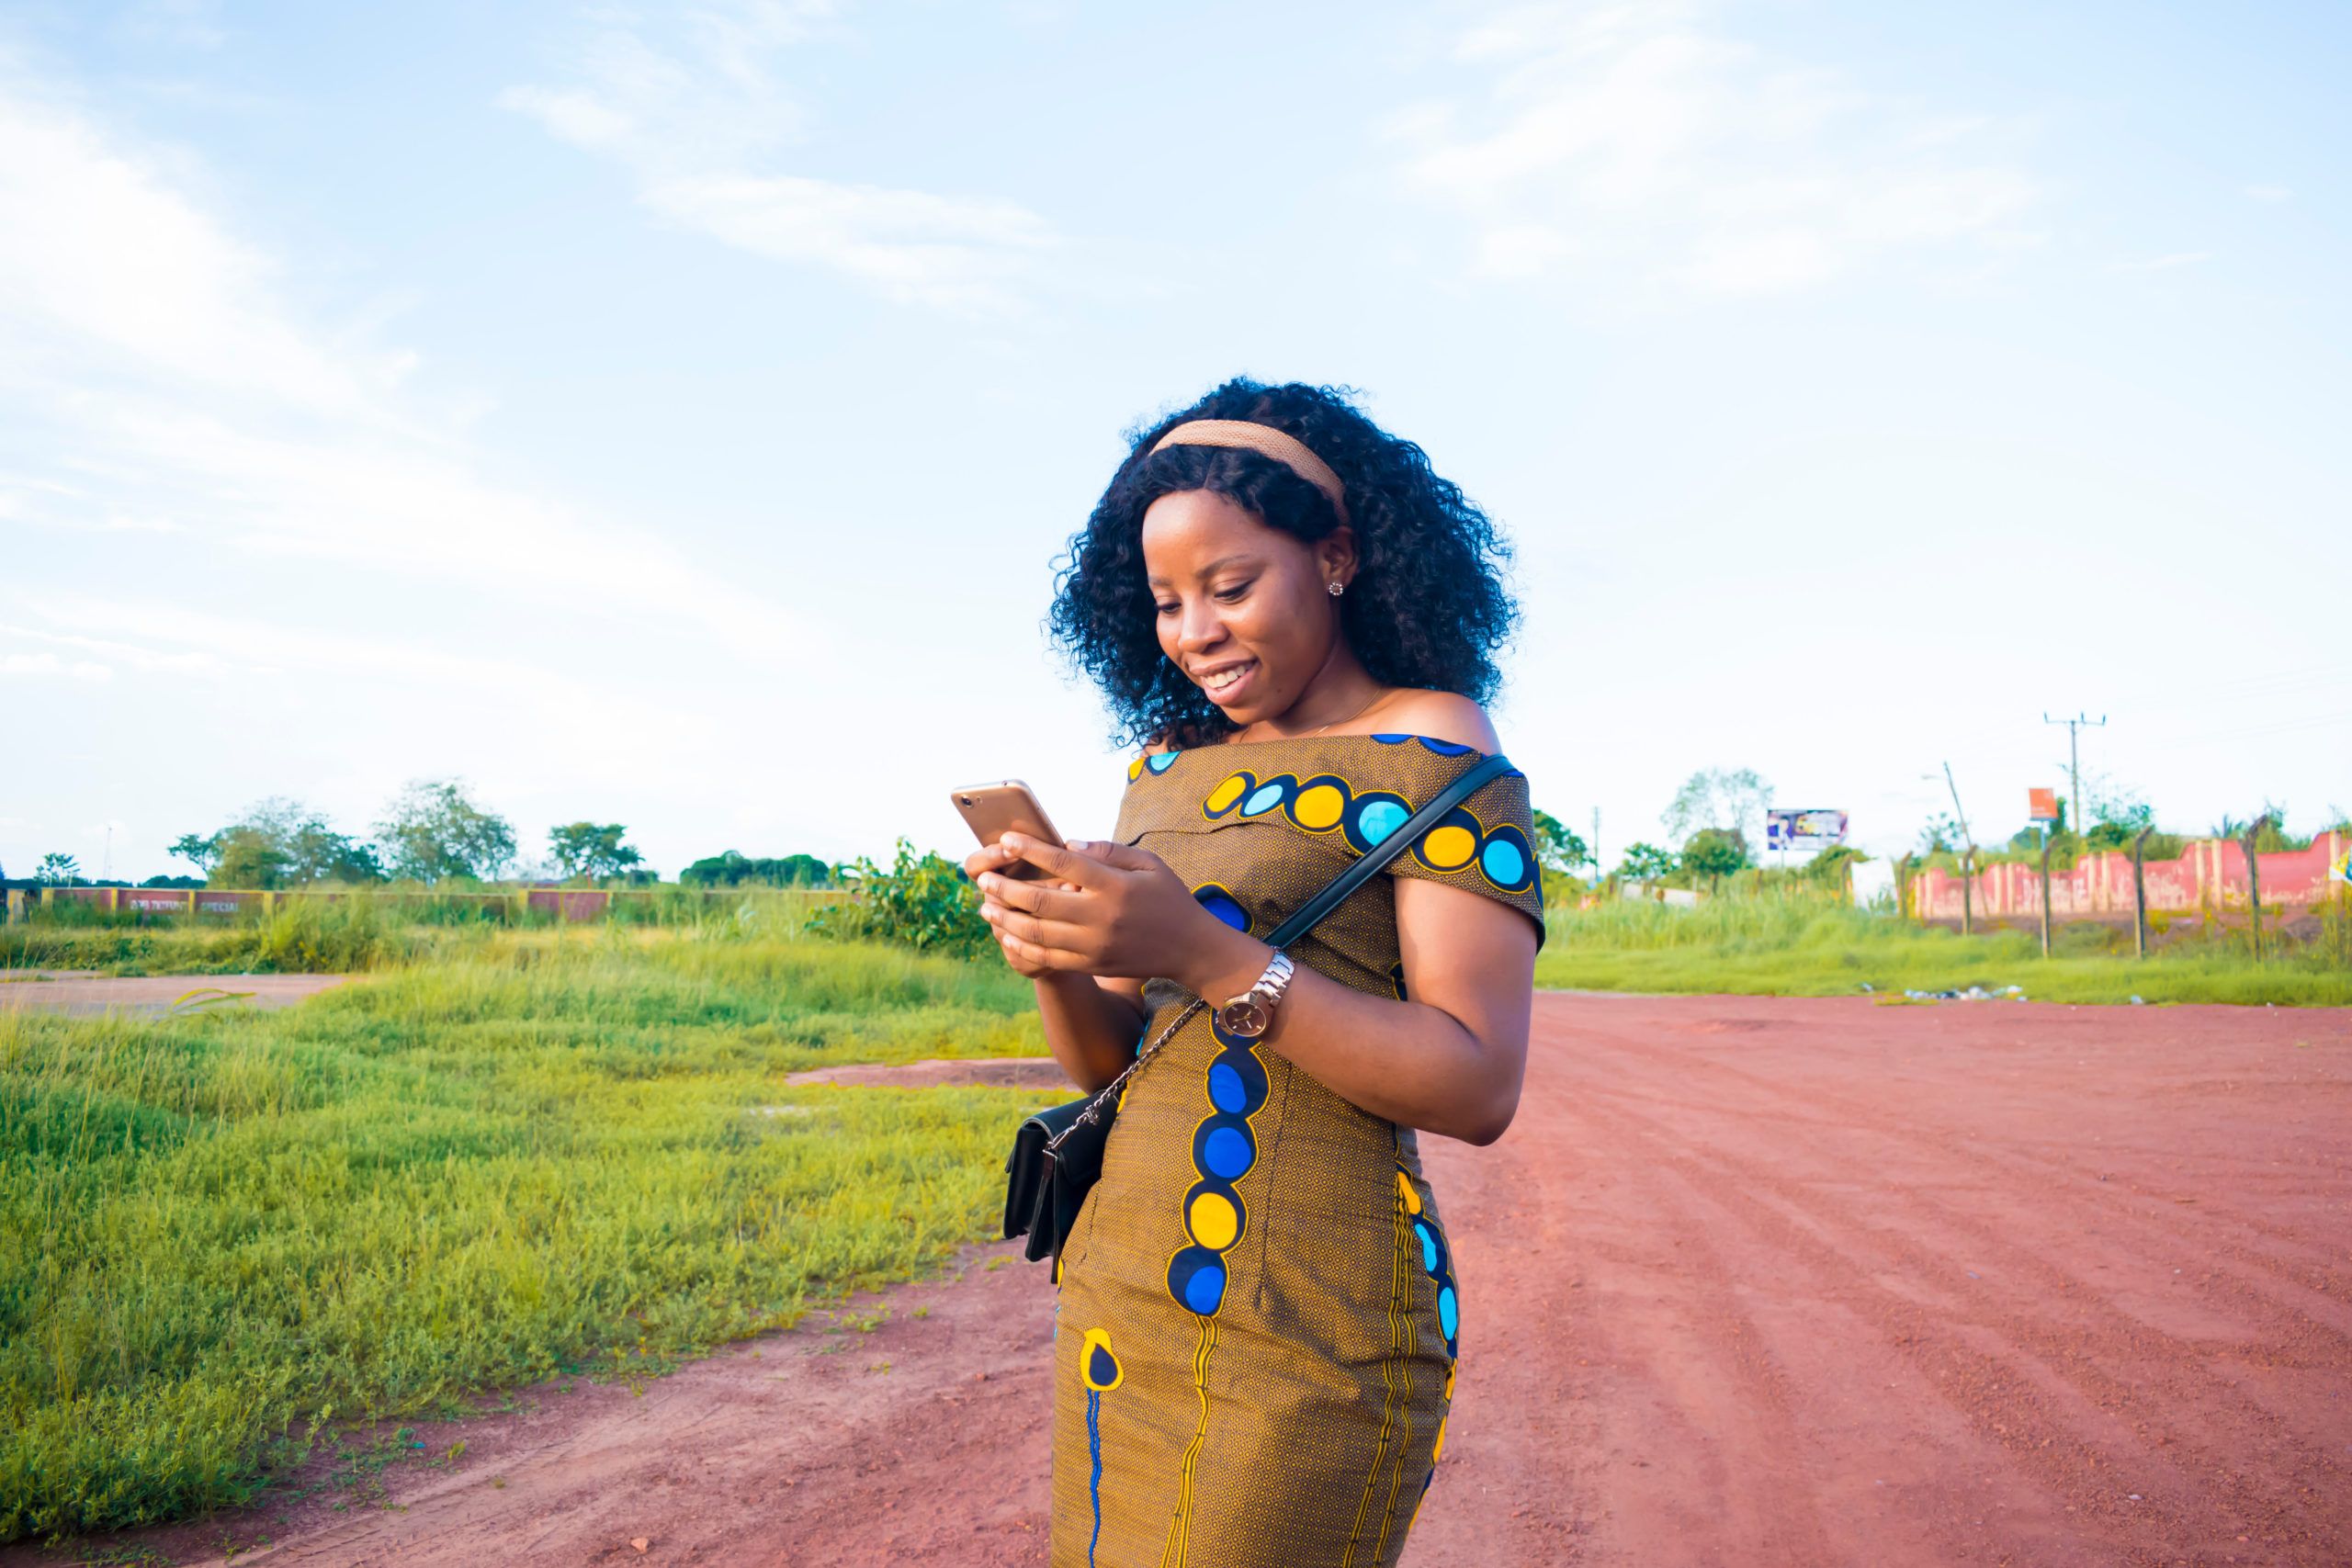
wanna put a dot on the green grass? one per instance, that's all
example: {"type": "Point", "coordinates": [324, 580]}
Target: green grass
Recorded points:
{"type": "Point", "coordinates": [1799, 947]}
{"type": "Point", "coordinates": [524, 1152]}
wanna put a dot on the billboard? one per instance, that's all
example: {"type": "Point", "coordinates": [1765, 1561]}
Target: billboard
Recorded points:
{"type": "Point", "coordinates": [1789, 827]}
{"type": "Point", "coordinates": [2041, 804]}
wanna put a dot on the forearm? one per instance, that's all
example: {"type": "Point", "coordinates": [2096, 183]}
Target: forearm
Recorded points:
{"type": "Point", "coordinates": [1406, 1061]}
{"type": "Point", "coordinates": [1090, 1030]}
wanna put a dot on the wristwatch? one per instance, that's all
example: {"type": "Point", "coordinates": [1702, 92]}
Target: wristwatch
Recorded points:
{"type": "Point", "coordinates": [1250, 1014]}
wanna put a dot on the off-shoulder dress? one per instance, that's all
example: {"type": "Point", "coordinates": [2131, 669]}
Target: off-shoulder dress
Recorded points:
{"type": "Point", "coordinates": [1255, 1336]}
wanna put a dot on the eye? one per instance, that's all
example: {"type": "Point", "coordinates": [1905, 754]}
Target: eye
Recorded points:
{"type": "Point", "coordinates": [1228, 595]}
{"type": "Point", "coordinates": [1167, 609]}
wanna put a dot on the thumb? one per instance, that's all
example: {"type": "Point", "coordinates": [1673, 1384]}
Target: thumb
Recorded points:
{"type": "Point", "coordinates": [1124, 857]}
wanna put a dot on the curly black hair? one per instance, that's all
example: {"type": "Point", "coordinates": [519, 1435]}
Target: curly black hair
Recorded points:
{"type": "Point", "coordinates": [1427, 607]}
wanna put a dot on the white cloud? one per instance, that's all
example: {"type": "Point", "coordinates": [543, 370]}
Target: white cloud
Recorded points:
{"type": "Point", "coordinates": [698, 122]}
{"type": "Point", "coordinates": [2164, 264]}
{"type": "Point", "coordinates": [38, 665]}
{"type": "Point", "coordinates": [151, 381]}
{"type": "Point", "coordinates": [1646, 138]}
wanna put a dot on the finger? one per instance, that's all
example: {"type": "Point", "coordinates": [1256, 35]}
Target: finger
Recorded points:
{"type": "Point", "coordinates": [1059, 863]}
{"type": "Point", "coordinates": [1052, 902]}
{"type": "Point", "coordinates": [1036, 955]}
{"type": "Point", "coordinates": [987, 857]}
{"type": "Point", "coordinates": [1124, 857]}
{"type": "Point", "coordinates": [1058, 934]}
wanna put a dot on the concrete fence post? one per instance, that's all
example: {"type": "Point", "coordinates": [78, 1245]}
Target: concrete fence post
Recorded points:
{"type": "Point", "coordinates": [2140, 893]}
{"type": "Point", "coordinates": [2254, 884]}
{"type": "Point", "coordinates": [2045, 894]}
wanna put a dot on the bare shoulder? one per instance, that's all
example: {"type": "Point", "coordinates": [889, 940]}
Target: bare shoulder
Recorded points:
{"type": "Point", "coordinates": [1441, 716]}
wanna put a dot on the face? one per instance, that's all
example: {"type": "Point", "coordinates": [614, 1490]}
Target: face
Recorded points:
{"type": "Point", "coordinates": [1244, 609]}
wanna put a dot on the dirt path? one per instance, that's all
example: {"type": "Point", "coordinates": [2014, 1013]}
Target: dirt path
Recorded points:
{"type": "Point", "coordinates": [81, 993]}
{"type": "Point", "coordinates": [1750, 1282]}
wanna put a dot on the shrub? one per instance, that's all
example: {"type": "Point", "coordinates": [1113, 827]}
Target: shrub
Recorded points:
{"type": "Point", "coordinates": [922, 901]}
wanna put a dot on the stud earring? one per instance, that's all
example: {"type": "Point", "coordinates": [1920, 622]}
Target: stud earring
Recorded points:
{"type": "Point", "coordinates": [1337, 589]}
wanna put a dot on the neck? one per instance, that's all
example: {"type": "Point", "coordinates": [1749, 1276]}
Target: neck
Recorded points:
{"type": "Point", "coordinates": [1341, 689]}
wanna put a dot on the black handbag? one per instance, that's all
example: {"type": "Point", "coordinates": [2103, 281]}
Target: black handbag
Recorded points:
{"type": "Point", "coordinates": [1058, 1153]}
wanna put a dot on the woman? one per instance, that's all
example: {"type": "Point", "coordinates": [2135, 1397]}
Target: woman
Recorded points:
{"type": "Point", "coordinates": [1257, 1314]}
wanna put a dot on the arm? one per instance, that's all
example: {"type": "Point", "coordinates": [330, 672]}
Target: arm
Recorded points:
{"type": "Point", "coordinates": [1449, 1060]}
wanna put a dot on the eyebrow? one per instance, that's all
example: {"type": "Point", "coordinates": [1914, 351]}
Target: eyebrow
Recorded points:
{"type": "Point", "coordinates": [1213, 568]}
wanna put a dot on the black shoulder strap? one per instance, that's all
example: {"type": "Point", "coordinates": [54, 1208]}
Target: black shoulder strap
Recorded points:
{"type": "Point", "coordinates": [1368, 864]}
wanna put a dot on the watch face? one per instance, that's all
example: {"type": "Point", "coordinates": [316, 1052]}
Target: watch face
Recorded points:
{"type": "Point", "coordinates": [1244, 1016]}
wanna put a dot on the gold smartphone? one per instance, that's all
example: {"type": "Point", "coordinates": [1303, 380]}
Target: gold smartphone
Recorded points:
{"type": "Point", "coordinates": [1008, 806]}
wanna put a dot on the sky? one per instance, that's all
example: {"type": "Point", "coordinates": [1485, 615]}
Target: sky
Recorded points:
{"type": "Point", "coordinates": [672, 414]}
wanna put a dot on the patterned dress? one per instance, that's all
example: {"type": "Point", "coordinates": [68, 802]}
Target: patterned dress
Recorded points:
{"type": "Point", "coordinates": [1255, 1338]}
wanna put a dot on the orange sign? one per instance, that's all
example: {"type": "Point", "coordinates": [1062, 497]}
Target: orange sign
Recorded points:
{"type": "Point", "coordinates": [2041, 804]}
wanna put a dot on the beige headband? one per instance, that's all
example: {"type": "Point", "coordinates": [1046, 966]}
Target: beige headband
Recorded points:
{"type": "Point", "coordinates": [1267, 441]}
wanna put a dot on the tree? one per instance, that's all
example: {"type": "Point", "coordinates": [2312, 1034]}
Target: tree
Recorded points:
{"type": "Point", "coordinates": [199, 852]}
{"type": "Point", "coordinates": [1557, 847]}
{"type": "Point", "coordinates": [730, 869]}
{"type": "Point", "coordinates": [58, 871]}
{"type": "Point", "coordinates": [1714, 853]}
{"type": "Point", "coordinates": [1646, 863]}
{"type": "Point", "coordinates": [280, 843]}
{"type": "Point", "coordinates": [1731, 801]}
{"type": "Point", "coordinates": [591, 849]}
{"type": "Point", "coordinates": [248, 857]}
{"type": "Point", "coordinates": [432, 830]}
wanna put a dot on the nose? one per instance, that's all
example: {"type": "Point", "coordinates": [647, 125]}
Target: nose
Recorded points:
{"type": "Point", "coordinates": [1199, 628]}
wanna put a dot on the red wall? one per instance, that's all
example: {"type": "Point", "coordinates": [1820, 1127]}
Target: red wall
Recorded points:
{"type": "Point", "coordinates": [2212, 871]}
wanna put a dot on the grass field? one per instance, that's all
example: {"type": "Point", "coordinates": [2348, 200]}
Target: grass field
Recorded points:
{"type": "Point", "coordinates": [1800, 947]}
{"type": "Point", "coordinates": [519, 1153]}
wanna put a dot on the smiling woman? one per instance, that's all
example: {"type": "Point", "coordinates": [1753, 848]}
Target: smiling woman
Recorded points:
{"type": "Point", "coordinates": [1258, 1316]}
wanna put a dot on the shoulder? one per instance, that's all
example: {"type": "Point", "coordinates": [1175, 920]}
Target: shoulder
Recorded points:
{"type": "Point", "coordinates": [1441, 716]}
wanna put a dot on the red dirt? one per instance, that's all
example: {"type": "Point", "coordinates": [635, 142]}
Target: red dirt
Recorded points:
{"type": "Point", "coordinates": [1750, 1282]}
{"type": "Point", "coordinates": [81, 993]}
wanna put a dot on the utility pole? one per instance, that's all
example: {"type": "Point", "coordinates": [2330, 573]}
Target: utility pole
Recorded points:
{"type": "Point", "coordinates": [2074, 727]}
{"type": "Point", "coordinates": [1596, 847]}
{"type": "Point", "coordinates": [1967, 859]}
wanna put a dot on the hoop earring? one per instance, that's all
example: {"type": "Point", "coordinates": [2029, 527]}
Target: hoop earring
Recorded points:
{"type": "Point", "coordinates": [1337, 589]}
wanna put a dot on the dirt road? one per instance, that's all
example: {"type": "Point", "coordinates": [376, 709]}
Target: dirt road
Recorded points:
{"type": "Point", "coordinates": [1750, 1282]}
{"type": "Point", "coordinates": [80, 993]}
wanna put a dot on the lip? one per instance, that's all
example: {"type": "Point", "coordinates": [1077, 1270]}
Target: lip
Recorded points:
{"type": "Point", "coordinates": [1227, 696]}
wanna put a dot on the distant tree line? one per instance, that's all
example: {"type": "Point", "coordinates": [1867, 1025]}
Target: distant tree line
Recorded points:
{"type": "Point", "coordinates": [434, 832]}
{"type": "Point", "coordinates": [730, 869]}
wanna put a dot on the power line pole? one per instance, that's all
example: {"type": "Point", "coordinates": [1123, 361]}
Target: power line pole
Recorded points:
{"type": "Point", "coordinates": [1596, 846]}
{"type": "Point", "coordinates": [1967, 860]}
{"type": "Point", "coordinates": [2074, 727]}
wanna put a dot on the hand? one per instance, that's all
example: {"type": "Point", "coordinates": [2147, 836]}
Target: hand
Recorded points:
{"type": "Point", "coordinates": [992, 859]}
{"type": "Point", "coordinates": [1109, 910]}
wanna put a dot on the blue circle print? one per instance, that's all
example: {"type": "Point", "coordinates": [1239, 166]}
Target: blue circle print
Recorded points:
{"type": "Point", "coordinates": [1225, 1152]}
{"type": "Point", "coordinates": [1379, 819]}
{"type": "Point", "coordinates": [1502, 862]}
{"type": "Point", "coordinates": [1206, 1289]}
{"type": "Point", "coordinates": [1102, 1369]}
{"type": "Point", "coordinates": [1262, 799]}
{"type": "Point", "coordinates": [1225, 906]}
{"type": "Point", "coordinates": [1429, 1247]}
{"type": "Point", "coordinates": [1442, 748]}
{"type": "Point", "coordinates": [1226, 1092]}
{"type": "Point", "coordinates": [1160, 761]}
{"type": "Point", "coordinates": [1448, 1313]}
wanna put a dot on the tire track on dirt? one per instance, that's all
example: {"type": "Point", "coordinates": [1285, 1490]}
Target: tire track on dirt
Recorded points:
{"type": "Point", "coordinates": [2280, 1473]}
{"type": "Point", "coordinates": [2308, 1274]}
